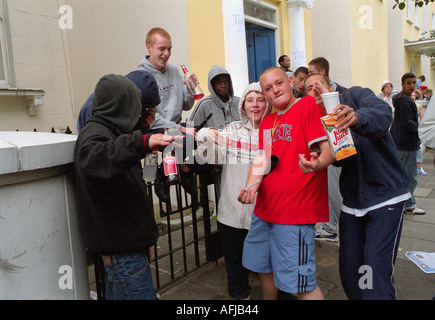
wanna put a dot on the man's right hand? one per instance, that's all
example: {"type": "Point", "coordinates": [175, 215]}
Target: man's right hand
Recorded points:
{"type": "Point", "coordinates": [158, 141]}
{"type": "Point", "coordinates": [246, 196]}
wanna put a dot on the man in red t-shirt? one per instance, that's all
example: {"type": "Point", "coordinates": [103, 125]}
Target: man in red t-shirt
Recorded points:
{"type": "Point", "coordinates": [280, 243]}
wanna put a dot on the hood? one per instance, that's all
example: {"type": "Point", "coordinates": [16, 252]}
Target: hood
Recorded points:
{"type": "Point", "coordinates": [214, 72]}
{"type": "Point", "coordinates": [117, 102]}
{"type": "Point", "coordinates": [147, 85]}
{"type": "Point", "coordinates": [144, 80]}
{"type": "Point", "coordinates": [401, 95]}
{"type": "Point", "coordinates": [385, 83]}
{"type": "Point", "coordinates": [255, 86]}
{"type": "Point", "coordinates": [148, 66]}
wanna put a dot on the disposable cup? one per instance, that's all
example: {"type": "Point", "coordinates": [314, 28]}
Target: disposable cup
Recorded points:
{"type": "Point", "coordinates": [330, 101]}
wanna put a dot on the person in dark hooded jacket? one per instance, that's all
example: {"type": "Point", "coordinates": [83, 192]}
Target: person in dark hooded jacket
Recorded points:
{"type": "Point", "coordinates": [114, 209]}
{"type": "Point", "coordinates": [142, 79]}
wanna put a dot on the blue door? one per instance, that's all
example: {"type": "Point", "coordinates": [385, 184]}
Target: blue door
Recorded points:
{"type": "Point", "coordinates": [260, 44]}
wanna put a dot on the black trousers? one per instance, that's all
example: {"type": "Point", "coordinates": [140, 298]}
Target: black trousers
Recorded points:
{"type": "Point", "coordinates": [237, 275]}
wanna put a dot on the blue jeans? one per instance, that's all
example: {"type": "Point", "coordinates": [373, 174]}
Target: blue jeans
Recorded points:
{"type": "Point", "coordinates": [129, 278]}
{"type": "Point", "coordinates": [370, 241]}
{"type": "Point", "coordinates": [409, 160]}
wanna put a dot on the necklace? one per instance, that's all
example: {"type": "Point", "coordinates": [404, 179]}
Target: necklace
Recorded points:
{"type": "Point", "coordinates": [276, 123]}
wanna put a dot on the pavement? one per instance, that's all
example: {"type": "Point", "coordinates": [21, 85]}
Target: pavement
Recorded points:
{"type": "Point", "coordinates": [418, 234]}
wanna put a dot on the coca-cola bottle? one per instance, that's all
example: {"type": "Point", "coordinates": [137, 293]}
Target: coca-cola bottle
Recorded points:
{"type": "Point", "coordinates": [192, 84]}
{"type": "Point", "coordinates": [170, 165]}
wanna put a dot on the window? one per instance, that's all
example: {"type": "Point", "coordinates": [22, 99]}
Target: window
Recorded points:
{"type": "Point", "coordinates": [260, 12]}
{"type": "Point", "coordinates": [417, 17]}
{"type": "Point", "coordinates": [409, 6]}
{"type": "Point", "coordinates": [4, 57]}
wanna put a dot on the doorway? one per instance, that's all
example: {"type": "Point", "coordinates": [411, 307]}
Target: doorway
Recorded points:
{"type": "Point", "coordinates": [260, 43]}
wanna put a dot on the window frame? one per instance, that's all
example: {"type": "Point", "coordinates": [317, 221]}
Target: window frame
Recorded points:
{"type": "Point", "coordinates": [5, 56]}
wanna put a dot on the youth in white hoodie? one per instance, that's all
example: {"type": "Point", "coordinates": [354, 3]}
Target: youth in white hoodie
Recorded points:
{"type": "Point", "coordinates": [236, 158]}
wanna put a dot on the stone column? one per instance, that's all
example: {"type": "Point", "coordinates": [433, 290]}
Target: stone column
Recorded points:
{"type": "Point", "coordinates": [236, 56]}
{"type": "Point", "coordinates": [297, 31]}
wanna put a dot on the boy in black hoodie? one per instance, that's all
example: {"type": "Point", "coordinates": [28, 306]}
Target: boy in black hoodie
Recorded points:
{"type": "Point", "coordinates": [114, 209]}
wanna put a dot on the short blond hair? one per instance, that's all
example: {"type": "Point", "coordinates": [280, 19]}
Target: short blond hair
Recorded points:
{"type": "Point", "coordinates": [270, 69]}
{"type": "Point", "coordinates": [160, 31]}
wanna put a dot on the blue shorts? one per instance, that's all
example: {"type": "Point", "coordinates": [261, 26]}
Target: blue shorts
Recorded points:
{"type": "Point", "coordinates": [287, 251]}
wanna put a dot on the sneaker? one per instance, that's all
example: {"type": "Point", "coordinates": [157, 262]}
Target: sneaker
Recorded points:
{"type": "Point", "coordinates": [323, 235]}
{"type": "Point", "coordinates": [415, 210]}
{"type": "Point", "coordinates": [422, 172]}
{"type": "Point", "coordinates": [214, 215]}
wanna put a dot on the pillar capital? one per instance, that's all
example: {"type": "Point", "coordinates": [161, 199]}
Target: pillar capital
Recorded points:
{"type": "Point", "coordinates": [300, 3]}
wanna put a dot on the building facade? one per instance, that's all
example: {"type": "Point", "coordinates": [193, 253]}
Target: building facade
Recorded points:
{"type": "Point", "coordinates": [54, 51]}
{"type": "Point", "coordinates": [364, 40]}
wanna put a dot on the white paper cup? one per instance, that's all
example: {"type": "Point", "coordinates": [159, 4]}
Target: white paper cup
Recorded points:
{"type": "Point", "coordinates": [330, 101]}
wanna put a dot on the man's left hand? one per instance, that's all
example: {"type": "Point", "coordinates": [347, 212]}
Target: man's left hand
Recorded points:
{"type": "Point", "coordinates": [350, 119]}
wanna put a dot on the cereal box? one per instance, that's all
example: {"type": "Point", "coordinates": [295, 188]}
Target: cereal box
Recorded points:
{"type": "Point", "coordinates": [341, 143]}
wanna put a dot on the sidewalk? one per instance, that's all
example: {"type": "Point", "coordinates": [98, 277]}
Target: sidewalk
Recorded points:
{"type": "Point", "coordinates": [418, 234]}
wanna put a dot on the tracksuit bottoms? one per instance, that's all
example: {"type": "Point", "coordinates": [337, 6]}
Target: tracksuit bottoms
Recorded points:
{"type": "Point", "coordinates": [368, 250]}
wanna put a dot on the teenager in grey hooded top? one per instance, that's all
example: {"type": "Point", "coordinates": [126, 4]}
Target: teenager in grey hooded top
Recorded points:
{"type": "Point", "coordinates": [223, 112]}
{"type": "Point", "coordinates": [174, 95]}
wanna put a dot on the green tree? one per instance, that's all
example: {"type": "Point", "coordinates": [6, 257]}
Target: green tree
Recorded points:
{"type": "Point", "coordinates": [401, 4]}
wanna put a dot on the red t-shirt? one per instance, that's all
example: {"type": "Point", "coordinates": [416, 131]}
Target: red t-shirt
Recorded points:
{"type": "Point", "coordinates": [287, 195]}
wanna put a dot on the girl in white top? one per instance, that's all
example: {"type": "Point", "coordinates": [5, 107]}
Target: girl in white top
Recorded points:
{"type": "Point", "coordinates": [235, 147]}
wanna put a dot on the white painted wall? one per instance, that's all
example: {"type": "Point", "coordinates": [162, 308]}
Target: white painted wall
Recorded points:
{"type": "Point", "coordinates": [39, 60]}
{"type": "Point", "coordinates": [110, 38]}
{"type": "Point", "coordinates": [39, 233]}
